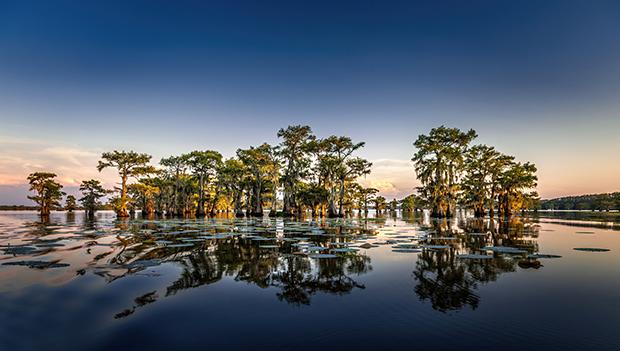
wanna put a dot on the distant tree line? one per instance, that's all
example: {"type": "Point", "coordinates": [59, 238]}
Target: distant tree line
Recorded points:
{"type": "Point", "coordinates": [591, 202]}
{"type": "Point", "coordinates": [301, 174]}
{"type": "Point", "coordinates": [18, 208]}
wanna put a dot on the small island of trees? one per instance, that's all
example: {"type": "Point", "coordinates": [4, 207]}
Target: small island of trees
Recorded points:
{"type": "Point", "coordinates": [302, 175]}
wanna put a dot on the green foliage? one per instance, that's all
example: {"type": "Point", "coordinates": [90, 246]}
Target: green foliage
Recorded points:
{"type": "Point", "coordinates": [233, 175]}
{"type": "Point", "coordinates": [411, 203]}
{"type": "Point", "coordinates": [92, 192]}
{"type": "Point", "coordinates": [439, 164]}
{"type": "Point", "coordinates": [311, 173]}
{"type": "Point", "coordinates": [204, 166]}
{"type": "Point", "coordinates": [477, 177]}
{"type": "Point", "coordinates": [336, 167]}
{"type": "Point", "coordinates": [312, 196]}
{"type": "Point", "coordinates": [295, 151]}
{"type": "Point", "coordinates": [70, 203]}
{"type": "Point", "coordinates": [128, 164]}
{"type": "Point", "coordinates": [47, 191]}
{"type": "Point", "coordinates": [262, 166]}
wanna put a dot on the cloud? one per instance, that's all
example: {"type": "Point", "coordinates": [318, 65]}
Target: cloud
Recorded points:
{"type": "Point", "coordinates": [73, 164]}
{"type": "Point", "coordinates": [394, 178]}
{"type": "Point", "coordinates": [70, 155]}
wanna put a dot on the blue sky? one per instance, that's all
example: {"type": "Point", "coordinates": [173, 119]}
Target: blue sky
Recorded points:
{"type": "Point", "coordinates": [537, 79]}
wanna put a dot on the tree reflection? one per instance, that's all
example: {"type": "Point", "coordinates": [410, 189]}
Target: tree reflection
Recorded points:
{"type": "Point", "coordinates": [296, 277]}
{"type": "Point", "coordinates": [450, 283]}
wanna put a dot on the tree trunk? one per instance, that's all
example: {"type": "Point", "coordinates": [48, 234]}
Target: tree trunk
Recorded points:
{"type": "Point", "coordinates": [216, 197]}
{"type": "Point", "coordinates": [200, 211]}
{"type": "Point", "coordinates": [257, 208]}
{"type": "Point", "coordinates": [274, 206]}
{"type": "Point", "coordinates": [287, 206]}
{"type": "Point", "coordinates": [341, 199]}
{"type": "Point", "coordinates": [122, 208]}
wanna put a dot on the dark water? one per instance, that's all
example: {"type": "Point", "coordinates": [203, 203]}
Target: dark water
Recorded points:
{"type": "Point", "coordinates": [73, 284]}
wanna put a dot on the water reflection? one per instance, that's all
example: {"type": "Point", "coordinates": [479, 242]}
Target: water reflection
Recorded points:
{"type": "Point", "coordinates": [398, 280]}
{"type": "Point", "coordinates": [298, 259]}
{"type": "Point", "coordinates": [449, 277]}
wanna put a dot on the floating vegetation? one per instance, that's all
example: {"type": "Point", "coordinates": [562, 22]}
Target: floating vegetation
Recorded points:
{"type": "Point", "coordinates": [406, 246]}
{"type": "Point", "coordinates": [368, 246]}
{"type": "Point", "coordinates": [143, 263]}
{"type": "Point", "coordinates": [260, 238]}
{"type": "Point", "coordinates": [192, 240]}
{"type": "Point", "coordinates": [407, 250]}
{"type": "Point", "coordinates": [37, 264]}
{"type": "Point", "coordinates": [181, 245]}
{"type": "Point", "coordinates": [49, 245]}
{"type": "Point", "coordinates": [317, 248]}
{"type": "Point", "coordinates": [300, 244]}
{"type": "Point", "coordinates": [539, 255]}
{"type": "Point", "coordinates": [345, 250]}
{"type": "Point", "coordinates": [526, 264]}
{"type": "Point", "coordinates": [591, 249]}
{"type": "Point", "coordinates": [19, 250]}
{"type": "Point", "coordinates": [436, 247]}
{"type": "Point", "coordinates": [504, 249]}
{"type": "Point", "coordinates": [583, 232]}
{"type": "Point", "coordinates": [474, 257]}
{"type": "Point", "coordinates": [323, 256]}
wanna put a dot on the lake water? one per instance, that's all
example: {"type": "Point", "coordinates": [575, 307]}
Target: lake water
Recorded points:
{"type": "Point", "coordinates": [74, 284]}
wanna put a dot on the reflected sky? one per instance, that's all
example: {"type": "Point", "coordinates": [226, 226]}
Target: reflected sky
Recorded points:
{"type": "Point", "coordinates": [173, 283]}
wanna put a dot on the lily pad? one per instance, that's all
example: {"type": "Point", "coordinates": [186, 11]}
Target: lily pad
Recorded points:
{"type": "Point", "coordinates": [504, 249]}
{"type": "Point", "coordinates": [368, 246]}
{"type": "Point", "coordinates": [260, 238]}
{"type": "Point", "coordinates": [181, 245]}
{"type": "Point", "coordinates": [406, 246]}
{"type": "Point", "coordinates": [345, 250]}
{"type": "Point", "coordinates": [591, 249]}
{"type": "Point", "coordinates": [474, 257]}
{"type": "Point", "coordinates": [317, 248]}
{"type": "Point", "coordinates": [436, 247]}
{"type": "Point", "coordinates": [49, 244]}
{"type": "Point", "coordinates": [323, 256]}
{"type": "Point", "coordinates": [300, 244]}
{"type": "Point", "coordinates": [19, 250]}
{"type": "Point", "coordinates": [407, 250]}
{"type": "Point", "coordinates": [37, 264]}
{"type": "Point", "coordinates": [538, 255]}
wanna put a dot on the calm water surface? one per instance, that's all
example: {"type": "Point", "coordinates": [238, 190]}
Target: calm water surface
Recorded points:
{"type": "Point", "coordinates": [388, 283]}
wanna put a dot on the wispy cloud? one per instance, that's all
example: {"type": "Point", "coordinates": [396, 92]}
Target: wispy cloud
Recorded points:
{"type": "Point", "coordinates": [22, 156]}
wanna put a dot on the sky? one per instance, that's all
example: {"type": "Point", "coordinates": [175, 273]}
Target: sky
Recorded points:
{"type": "Point", "coordinates": [537, 79]}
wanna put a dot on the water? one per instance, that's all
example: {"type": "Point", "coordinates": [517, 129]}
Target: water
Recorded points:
{"type": "Point", "coordinates": [74, 284]}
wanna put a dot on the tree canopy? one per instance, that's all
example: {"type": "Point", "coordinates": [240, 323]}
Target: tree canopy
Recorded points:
{"type": "Point", "coordinates": [454, 173]}
{"type": "Point", "coordinates": [305, 173]}
{"type": "Point", "coordinates": [48, 192]}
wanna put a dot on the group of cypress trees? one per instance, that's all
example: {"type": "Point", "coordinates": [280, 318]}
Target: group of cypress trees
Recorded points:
{"type": "Point", "coordinates": [307, 174]}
